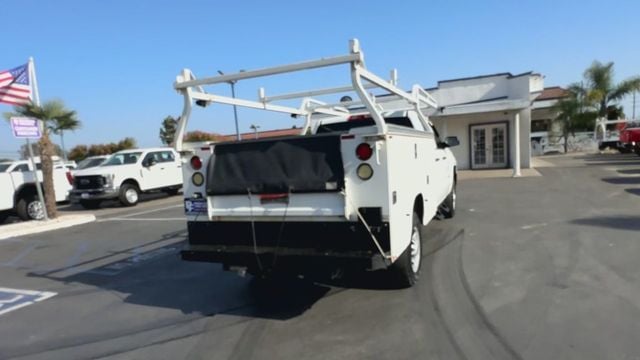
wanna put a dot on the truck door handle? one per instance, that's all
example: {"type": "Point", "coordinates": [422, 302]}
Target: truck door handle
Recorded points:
{"type": "Point", "coordinates": [437, 159]}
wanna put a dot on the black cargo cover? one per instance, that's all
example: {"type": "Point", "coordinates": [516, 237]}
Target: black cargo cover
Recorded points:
{"type": "Point", "coordinates": [310, 163]}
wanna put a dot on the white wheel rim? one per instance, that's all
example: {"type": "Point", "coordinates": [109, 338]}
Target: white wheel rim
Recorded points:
{"type": "Point", "coordinates": [131, 195]}
{"type": "Point", "coordinates": [415, 250]}
{"type": "Point", "coordinates": [35, 210]}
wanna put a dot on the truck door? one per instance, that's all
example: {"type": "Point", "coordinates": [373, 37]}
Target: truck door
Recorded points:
{"type": "Point", "coordinates": [152, 171]}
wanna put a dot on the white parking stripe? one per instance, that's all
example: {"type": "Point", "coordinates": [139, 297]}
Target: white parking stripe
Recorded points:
{"type": "Point", "coordinates": [144, 212]}
{"type": "Point", "coordinates": [142, 219]}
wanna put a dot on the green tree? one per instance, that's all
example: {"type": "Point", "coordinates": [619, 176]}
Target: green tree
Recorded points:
{"type": "Point", "coordinates": [196, 136]}
{"type": "Point", "coordinates": [601, 87]}
{"type": "Point", "coordinates": [168, 130]}
{"type": "Point", "coordinates": [49, 114]}
{"type": "Point", "coordinates": [80, 152]}
{"type": "Point", "coordinates": [575, 112]}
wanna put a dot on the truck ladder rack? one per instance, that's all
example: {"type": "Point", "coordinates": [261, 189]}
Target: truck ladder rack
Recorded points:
{"type": "Point", "coordinates": [361, 79]}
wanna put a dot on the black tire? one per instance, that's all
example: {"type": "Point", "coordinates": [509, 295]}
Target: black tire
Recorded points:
{"type": "Point", "coordinates": [22, 208]}
{"type": "Point", "coordinates": [172, 191]}
{"type": "Point", "coordinates": [624, 150]}
{"type": "Point", "coordinates": [402, 272]}
{"type": "Point", "coordinates": [3, 216]}
{"type": "Point", "coordinates": [90, 204]}
{"type": "Point", "coordinates": [448, 206]}
{"type": "Point", "coordinates": [129, 201]}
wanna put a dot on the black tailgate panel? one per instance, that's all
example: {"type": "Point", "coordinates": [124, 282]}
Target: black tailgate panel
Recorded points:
{"type": "Point", "coordinates": [297, 164]}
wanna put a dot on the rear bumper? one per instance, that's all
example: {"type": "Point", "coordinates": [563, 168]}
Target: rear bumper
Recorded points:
{"type": "Point", "coordinates": [292, 244]}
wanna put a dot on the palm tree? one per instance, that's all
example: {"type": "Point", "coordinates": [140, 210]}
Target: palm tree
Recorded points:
{"type": "Point", "coordinates": [60, 125]}
{"type": "Point", "coordinates": [603, 90]}
{"type": "Point", "coordinates": [575, 112]}
{"type": "Point", "coordinates": [51, 113]}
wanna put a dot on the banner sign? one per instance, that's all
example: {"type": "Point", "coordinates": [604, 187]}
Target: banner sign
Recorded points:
{"type": "Point", "coordinates": [25, 128]}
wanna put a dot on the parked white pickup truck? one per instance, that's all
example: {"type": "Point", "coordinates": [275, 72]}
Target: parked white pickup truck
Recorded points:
{"type": "Point", "coordinates": [352, 190]}
{"type": "Point", "coordinates": [18, 194]}
{"type": "Point", "coordinates": [126, 174]}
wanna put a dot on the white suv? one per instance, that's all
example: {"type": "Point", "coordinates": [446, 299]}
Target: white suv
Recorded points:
{"type": "Point", "coordinates": [126, 174]}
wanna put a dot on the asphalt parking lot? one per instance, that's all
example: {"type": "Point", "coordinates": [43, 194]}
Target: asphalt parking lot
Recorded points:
{"type": "Point", "coordinates": [534, 268]}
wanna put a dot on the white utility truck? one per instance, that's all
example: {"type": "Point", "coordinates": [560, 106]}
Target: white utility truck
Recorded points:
{"type": "Point", "coordinates": [125, 175]}
{"type": "Point", "coordinates": [352, 190]}
{"type": "Point", "coordinates": [18, 194]}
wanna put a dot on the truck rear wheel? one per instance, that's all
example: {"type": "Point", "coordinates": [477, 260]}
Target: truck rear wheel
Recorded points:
{"type": "Point", "coordinates": [129, 195]}
{"type": "Point", "coordinates": [30, 208]}
{"type": "Point", "coordinates": [406, 269]}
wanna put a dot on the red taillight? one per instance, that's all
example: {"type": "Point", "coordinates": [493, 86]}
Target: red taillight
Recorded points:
{"type": "Point", "coordinates": [196, 163]}
{"type": "Point", "coordinates": [69, 178]}
{"type": "Point", "coordinates": [364, 151]}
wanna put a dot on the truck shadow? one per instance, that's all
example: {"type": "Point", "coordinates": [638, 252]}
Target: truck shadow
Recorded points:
{"type": "Point", "coordinates": [159, 278]}
{"type": "Point", "coordinates": [622, 222]}
{"type": "Point", "coordinates": [622, 180]}
{"type": "Point", "coordinates": [629, 171]}
{"type": "Point", "coordinates": [634, 191]}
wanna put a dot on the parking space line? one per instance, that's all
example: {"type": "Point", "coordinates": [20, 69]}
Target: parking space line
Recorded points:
{"type": "Point", "coordinates": [142, 219]}
{"type": "Point", "coordinates": [146, 212]}
{"type": "Point", "coordinates": [22, 298]}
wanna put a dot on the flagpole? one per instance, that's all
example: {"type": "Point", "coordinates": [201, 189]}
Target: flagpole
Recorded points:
{"type": "Point", "coordinates": [36, 100]}
{"type": "Point", "coordinates": [34, 81]}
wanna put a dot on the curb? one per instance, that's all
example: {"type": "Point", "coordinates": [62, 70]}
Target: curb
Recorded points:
{"type": "Point", "coordinates": [34, 227]}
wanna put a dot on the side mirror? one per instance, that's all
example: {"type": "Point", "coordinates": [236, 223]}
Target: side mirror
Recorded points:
{"type": "Point", "coordinates": [151, 162]}
{"type": "Point", "coordinates": [452, 141]}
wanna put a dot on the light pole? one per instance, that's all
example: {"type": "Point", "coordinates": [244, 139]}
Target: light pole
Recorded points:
{"type": "Point", "coordinates": [634, 105]}
{"type": "Point", "coordinates": [255, 130]}
{"type": "Point", "coordinates": [235, 108]}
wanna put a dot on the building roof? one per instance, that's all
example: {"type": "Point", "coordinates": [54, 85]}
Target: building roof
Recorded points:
{"type": "Point", "coordinates": [551, 93]}
{"type": "Point", "coordinates": [508, 75]}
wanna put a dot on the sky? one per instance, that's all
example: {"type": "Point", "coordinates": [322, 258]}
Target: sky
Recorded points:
{"type": "Point", "coordinates": [115, 62]}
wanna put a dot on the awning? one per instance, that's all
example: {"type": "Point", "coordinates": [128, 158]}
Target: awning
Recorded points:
{"type": "Point", "coordinates": [481, 107]}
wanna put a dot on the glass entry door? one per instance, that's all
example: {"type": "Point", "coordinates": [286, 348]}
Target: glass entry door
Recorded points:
{"type": "Point", "coordinates": [489, 146]}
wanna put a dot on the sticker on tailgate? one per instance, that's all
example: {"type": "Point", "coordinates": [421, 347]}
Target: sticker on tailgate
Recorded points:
{"type": "Point", "coordinates": [195, 206]}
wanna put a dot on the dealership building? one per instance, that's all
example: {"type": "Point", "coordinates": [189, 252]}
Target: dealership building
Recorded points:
{"type": "Point", "coordinates": [491, 116]}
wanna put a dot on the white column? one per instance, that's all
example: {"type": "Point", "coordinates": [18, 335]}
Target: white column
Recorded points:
{"type": "Point", "coordinates": [516, 133]}
{"type": "Point", "coordinates": [445, 133]}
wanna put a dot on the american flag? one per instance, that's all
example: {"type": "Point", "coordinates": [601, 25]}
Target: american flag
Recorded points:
{"type": "Point", "coordinates": [14, 86]}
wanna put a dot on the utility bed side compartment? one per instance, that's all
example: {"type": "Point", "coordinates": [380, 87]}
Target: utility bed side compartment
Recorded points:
{"type": "Point", "coordinates": [411, 173]}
